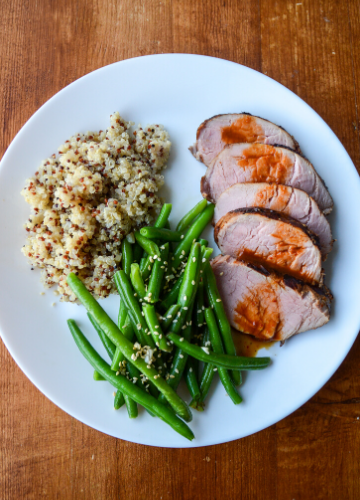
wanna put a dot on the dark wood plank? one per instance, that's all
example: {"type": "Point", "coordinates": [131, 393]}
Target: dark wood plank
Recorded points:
{"type": "Point", "coordinates": [313, 453]}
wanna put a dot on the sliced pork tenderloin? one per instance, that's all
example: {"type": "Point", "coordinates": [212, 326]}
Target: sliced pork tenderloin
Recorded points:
{"type": "Point", "coordinates": [217, 132]}
{"type": "Point", "coordinates": [262, 163]}
{"type": "Point", "coordinates": [267, 305]}
{"type": "Point", "coordinates": [286, 199]}
{"type": "Point", "coordinates": [272, 239]}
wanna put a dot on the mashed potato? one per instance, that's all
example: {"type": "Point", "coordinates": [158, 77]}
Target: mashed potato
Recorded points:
{"type": "Point", "coordinates": [99, 188]}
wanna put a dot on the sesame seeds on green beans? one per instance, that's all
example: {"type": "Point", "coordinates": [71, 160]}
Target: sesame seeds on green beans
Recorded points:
{"type": "Point", "coordinates": [223, 360]}
{"type": "Point", "coordinates": [127, 347]}
{"type": "Point", "coordinates": [127, 387]}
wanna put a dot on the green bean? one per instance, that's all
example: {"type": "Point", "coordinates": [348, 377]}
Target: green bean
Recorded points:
{"type": "Point", "coordinates": [109, 346]}
{"type": "Point", "coordinates": [161, 221]}
{"type": "Point", "coordinates": [127, 256]}
{"type": "Point", "coordinates": [155, 328]}
{"type": "Point", "coordinates": [128, 332]}
{"type": "Point", "coordinates": [206, 253]}
{"type": "Point", "coordinates": [191, 215]}
{"type": "Point", "coordinates": [137, 253]}
{"type": "Point", "coordinates": [155, 233]}
{"type": "Point", "coordinates": [207, 377]}
{"type": "Point", "coordinates": [169, 316]}
{"type": "Point", "coordinates": [138, 323]}
{"type": "Point", "coordinates": [203, 243]}
{"type": "Point", "coordinates": [192, 234]}
{"type": "Point", "coordinates": [120, 382]}
{"type": "Point", "coordinates": [200, 304]}
{"type": "Point", "coordinates": [123, 312]}
{"type": "Point", "coordinates": [97, 376]}
{"type": "Point", "coordinates": [163, 216]}
{"type": "Point", "coordinates": [131, 406]}
{"type": "Point", "coordinates": [191, 379]}
{"type": "Point", "coordinates": [219, 360]}
{"type": "Point", "coordinates": [188, 287]}
{"type": "Point", "coordinates": [221, 318]}
{"type": "Point", "coordinates": [143, 262]}
{"type": "Point", "coordinates": [157, 274]}
{"type": "Point", "coordinates": [218, 348]}
{"type": "Point", "coordinates": [127, 347]}
{"type": "Point", "coordinates": [119, 400]}
{"type": "Point", "coordinates": [149, 246]}
{"type": "Point", "coordinates": [179, 359]}
{"type": "Point", "coordinates": [171, 297]}
{"type": "Point", "coordinates": [137, 281]}
{"type": "Point", "coordinates": [117, 359]}
{"type": "Point", "coordinates": [167, 225]}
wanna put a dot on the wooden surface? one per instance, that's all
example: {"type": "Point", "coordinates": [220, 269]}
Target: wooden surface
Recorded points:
{"type": "Point", "coordinates": [310, 46]}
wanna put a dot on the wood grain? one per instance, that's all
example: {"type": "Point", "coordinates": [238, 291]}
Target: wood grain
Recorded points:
{"type": "Point", "coordinates": [313, 49]}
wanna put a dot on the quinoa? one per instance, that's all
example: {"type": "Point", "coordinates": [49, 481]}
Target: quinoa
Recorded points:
{"type": "Point", "coordinates": [85, 200]}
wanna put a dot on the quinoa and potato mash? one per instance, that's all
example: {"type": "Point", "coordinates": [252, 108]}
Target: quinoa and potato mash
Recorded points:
{"type": "Point", "coordinates": [98, 189]}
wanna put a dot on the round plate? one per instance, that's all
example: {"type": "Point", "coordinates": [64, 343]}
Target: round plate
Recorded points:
{"type": "Point", "coordinates": [179, 91]}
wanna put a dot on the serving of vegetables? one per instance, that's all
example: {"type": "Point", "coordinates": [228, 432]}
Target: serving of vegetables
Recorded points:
{"type": "Point", "coordinates": [171, 323]}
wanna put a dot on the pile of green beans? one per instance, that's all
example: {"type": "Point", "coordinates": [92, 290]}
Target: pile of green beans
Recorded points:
{"type": "Point", "coordinates": [171, 323]}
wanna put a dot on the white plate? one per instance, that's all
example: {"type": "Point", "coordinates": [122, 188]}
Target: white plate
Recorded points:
{"type": "Point", "coordinates": [179, 91]}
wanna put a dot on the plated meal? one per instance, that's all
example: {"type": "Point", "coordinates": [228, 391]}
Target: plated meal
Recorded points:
{"type": "Point", "coordinates": [90, 232]}
{"type": "Point", "coordinates": [33, 322]}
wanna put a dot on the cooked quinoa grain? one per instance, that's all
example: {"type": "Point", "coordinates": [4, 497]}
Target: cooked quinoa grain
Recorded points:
{"type": "Point", "coordinates": [98, 189]}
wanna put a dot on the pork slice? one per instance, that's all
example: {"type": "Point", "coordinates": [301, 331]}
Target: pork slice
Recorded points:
{"type": "Point", "coordinates": [267, 305]}
{"type": "Point", "coordinates": [216, 132]}
{"type": "Point", "coordinates": [262, 163]}
{"type": "Point", "coordinates": [286, 199]}
{"type": "Point", "coordinates": [272, 239]}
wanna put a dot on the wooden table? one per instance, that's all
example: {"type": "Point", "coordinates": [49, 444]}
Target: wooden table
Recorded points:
{"type": "Point", "coordinates": [312, 47]}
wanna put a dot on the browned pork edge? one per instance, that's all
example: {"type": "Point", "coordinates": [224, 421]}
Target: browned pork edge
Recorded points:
{"type": "Point", "coordinates": [271, 214]}
{"type": "Point", "coordinates": [203, 125]}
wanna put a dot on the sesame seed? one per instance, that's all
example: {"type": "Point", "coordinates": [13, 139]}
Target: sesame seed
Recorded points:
{"type": "Point", "coordinates": [194, 259]}
{"type": "Point", "coordinates": [193, 283]}
{"type": "Point", "coordinates": [149, 294]}
{"type": "Point", "coordinates": [135, 294]}
{"type": "Point", "coordinates": [156, 326]}
{"type": "Point", "coordinates": [221, 273]}
{"type": "Point", "coordinates": [117, 373]}
{"type": "Point", "coordinates": [149, 267]}
{"type": "Point", "coordinates": [176, 370]}
{"type": "Point", "coordinates": [133, 357]}
{"type": "Point", "coordinates": [181, 339]}
{"type": "Point", "coordinates": [183, 327]}
{"type": "Point", "coordinates": [185, 297]}
{"type": "Point", "coordinates": [169, 316]}
{"type": "Point", "coordinates": [182, 236]}
{"type": "Point", "coordinates": [203, 260]}
{"type": "Point", "coordinates": [185, 308]}
{"type": "Point", "coordinates": [190, 369]}
{"type": "Point", "coordinates": [183, 252]}
{"type": "Point", "coordinates": [172, 376]}
{"type": "Point", "coordinates": [138, 326]}
{"type": "Point", "coordinates": [218, 300]}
